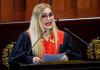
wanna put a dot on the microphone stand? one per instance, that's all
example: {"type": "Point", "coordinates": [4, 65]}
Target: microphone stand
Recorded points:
{"type": "Point", "coordinates": [88, 46]}
{"type": "Point", "coordinates": [35, 44]}
{"type": "Point", "coordinates": [76, 36]}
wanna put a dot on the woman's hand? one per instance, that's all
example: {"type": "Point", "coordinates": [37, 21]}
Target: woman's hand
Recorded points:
{"type": "Point", "coordinates": [36, 60]}
{"type": "Point", "coordinates": [64, 58]}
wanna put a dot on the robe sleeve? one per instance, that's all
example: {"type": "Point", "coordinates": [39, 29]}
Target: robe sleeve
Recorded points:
{"type": "Point", "coordinates": [20, 51]}
{"type": "Point", "coordinates": [70, 48]}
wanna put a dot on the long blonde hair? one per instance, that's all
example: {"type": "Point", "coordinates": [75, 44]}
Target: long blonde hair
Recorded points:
{"type": "Point", "coordinates": [36, 30]}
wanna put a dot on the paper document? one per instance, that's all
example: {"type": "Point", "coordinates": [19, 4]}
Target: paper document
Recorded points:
{"type": "Point", "coordinates": [53, 57]}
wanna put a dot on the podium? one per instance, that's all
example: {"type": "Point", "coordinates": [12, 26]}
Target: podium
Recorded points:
{"type": "Point", "coordinates": [66, 65]}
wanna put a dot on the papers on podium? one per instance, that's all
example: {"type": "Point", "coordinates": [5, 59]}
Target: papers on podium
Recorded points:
{"type": "Point", "coordinates": [52, 57]}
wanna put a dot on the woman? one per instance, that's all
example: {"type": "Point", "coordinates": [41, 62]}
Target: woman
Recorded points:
{"type": "Point", "coordinates": [42, 38]}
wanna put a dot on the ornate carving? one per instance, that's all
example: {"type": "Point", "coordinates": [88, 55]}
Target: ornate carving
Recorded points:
{"type": "Point", "coordinates": [93, 51]}
{"type": "Point", "coordinates": [6, 52]}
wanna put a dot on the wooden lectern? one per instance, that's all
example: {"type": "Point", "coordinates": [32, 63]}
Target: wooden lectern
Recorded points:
{"type": "Point", "coordinates": [66, 65]}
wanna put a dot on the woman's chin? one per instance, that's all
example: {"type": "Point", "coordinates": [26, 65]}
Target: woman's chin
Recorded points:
{"type": "Point", "coordinates": [48, 27]}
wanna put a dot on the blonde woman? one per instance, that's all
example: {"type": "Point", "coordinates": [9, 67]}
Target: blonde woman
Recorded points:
{"type": "Point", "coordinates": [42, 38]}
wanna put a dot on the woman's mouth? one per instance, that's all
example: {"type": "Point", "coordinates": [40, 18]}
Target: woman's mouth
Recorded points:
{"type": "Point", "coordinates": [48, 23]}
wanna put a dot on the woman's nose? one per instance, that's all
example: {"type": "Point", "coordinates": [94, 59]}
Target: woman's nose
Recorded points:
{"type": "Point", "coordinates": [48, 18]}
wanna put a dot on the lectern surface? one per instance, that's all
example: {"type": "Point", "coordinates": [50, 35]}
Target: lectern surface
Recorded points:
{"type": "Point", "coordinates": [66, 65]}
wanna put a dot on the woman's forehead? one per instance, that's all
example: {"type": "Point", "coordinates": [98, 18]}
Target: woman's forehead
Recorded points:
{"type": "Point", "coordinates": [47, 10]}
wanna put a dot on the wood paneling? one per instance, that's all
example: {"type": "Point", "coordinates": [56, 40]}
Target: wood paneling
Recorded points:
{"type": "Point", "coordinates": [29, 8]}
{"type": "Point", "coordinates": [70, 8]}
{"type": "Point", "coordinates": [0, 10]}
{"type": "Point", "coordinates": [21, 10]}
{"type": "Point", "coordinates": [87, 8]}
{"type": "Point", "coordinates": [6, 10]}
{"type": "Point", "coordinates": [58, 8]}
{"type": "Point", "coordinates": [30, 5]}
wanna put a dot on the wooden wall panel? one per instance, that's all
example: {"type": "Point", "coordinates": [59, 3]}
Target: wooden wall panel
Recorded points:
{"type": "Point", "coordinates": [58, 8]}
{"type": "Point", "coordinates": [30, 5]}
{"type": "Point", "coordinates": [83, 7]}
{"type": "Point", "coordinates": [94, 8]}
{"type": "Point", "coordinates": [21, 10]}
{"type": "Point", "coordinates": [6, 10]}
{"type": "Point", "coordinates": [87, 8]}
{"type": "Point", "coordinates": [0, 10]}
{"type": "Point", "coordinates": [29, 8]}
{"type": "Point", "coordinates": [98, 4]}
{"type": "Point", "coordinates": [83, 3]}
{"type": "Point", "coordinates": [70, 8]}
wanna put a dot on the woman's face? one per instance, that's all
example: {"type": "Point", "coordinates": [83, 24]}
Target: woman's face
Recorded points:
{"type": "Point", "coordinates": [47, 19]}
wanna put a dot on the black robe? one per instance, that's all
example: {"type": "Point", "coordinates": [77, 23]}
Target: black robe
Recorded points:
{"type": "Point", "coordinates": [21, 51]}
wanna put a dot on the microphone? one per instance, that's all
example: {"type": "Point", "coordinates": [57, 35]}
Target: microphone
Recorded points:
{"type": "Point", "coordinates": [88, 45]}
{"type": "Point", "coordinates": [36, 42]}
{"type": "Point", "coordinates": [76, 36]}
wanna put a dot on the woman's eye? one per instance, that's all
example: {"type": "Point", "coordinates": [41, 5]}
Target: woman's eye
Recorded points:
{"type": "Point", "coordinates": [47, 15]}
{"type": "Point", "coordinates": [43, 16]}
